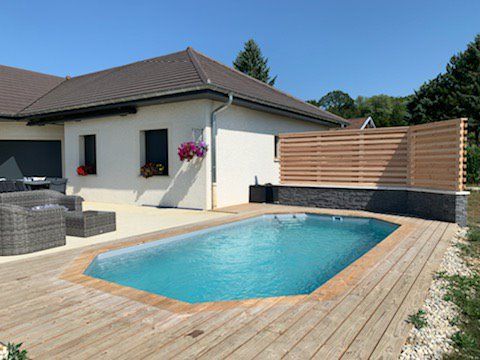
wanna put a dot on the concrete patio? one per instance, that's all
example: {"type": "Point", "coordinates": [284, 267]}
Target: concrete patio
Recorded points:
{"type": "Point", "coordinates": [132, 220]}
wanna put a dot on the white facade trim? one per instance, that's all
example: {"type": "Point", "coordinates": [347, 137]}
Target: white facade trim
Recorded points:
{"type": "Point", "coordinates": [370, 121]}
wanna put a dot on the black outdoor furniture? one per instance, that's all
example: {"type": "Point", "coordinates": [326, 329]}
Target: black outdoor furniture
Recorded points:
{"type": "Point", "coordinates": [7, 186]}
{"type": "Point", "coordinates": [20, 186]}
{"type": "Point", "coordinates": [58, 184]}
{"type": "Point", "coordinates": [36, 184]}
{"type": "Point", "coordinates": [263, 194]}
{"type": "Point", "coordinates": [90, 223]}
{"type": "Point", "coordinates": [12, 186]}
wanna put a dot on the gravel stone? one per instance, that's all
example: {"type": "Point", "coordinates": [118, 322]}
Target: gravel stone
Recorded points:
{"type": "Point", "coordinates": [433, 340]}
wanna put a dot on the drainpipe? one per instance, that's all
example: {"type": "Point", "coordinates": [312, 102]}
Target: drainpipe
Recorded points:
{"type": "Point", "coordinates": [213, 145]}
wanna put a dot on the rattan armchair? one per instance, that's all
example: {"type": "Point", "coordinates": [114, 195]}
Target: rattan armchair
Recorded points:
{"type": "Point", "coordinates": [24, 230]}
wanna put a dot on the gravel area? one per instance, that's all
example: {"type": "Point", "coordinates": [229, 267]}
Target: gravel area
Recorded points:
{"type": "Point", "coordinates": [433, 340]}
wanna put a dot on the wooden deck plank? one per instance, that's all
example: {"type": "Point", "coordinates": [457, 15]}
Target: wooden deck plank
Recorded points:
{"type": "Point", "coordinates": [310, 343]}
{"type": "Point", "coordinates": [298, 330]}
{"type": "Point", "coordinates": [362, 314]}
{"type": "Point", "coordinates": [235, 339]}
{"type": "Point", "coordinates": [189, 347]}
{"type": "Point", "coordinates": [393, 338]}
{"type": "Point", "coordinates": [396, 282]}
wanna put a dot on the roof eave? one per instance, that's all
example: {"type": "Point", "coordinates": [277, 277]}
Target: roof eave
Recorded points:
{"type": "Point", "coordinates": [194, 93]}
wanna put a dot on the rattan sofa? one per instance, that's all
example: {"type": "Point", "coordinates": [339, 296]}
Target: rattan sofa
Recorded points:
{"type": "Point", "coordinates": [24, 230]}
{"type": "Point", "coordinates": [29, 199]}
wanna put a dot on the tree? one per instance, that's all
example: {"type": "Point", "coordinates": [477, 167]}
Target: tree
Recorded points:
{"type": "Point", "coordinates": [453, 94]}
{"type": "Point", "coordinates": [251, 62]}
{"type": "Point", "coordinates": [336, 102]}
{"type": "Point", "coordinates": [385, 110]}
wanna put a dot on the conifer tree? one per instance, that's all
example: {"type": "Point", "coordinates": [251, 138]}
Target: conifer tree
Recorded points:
{"type": "Point", "coordinates": [251, 62]}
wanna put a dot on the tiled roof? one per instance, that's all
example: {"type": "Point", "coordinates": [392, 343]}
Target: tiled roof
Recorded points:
{"type": "Point", "coordinates": [19, 88]}
{"type": "Point", "coordinates": [356, 123]}
{"type": "Point", "coordinates": [148, 77]}
{"type": "Point", "coordinates": [250, 88]}
{"type": "Point", "coordinates": [176, 73]}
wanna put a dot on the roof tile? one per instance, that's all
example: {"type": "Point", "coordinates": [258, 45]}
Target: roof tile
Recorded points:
{"type": "Point", "coordinates": [173, 73]}
{"type": "Point", "coordinates": [19, 88]}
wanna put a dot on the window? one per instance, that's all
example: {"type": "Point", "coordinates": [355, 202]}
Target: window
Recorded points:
{"type": "Point", "coordinates": [276, 150]}
{"type": "Point", "coordinates": [90, 154]}
{"type": "Point", "coordinates": [156, 148]}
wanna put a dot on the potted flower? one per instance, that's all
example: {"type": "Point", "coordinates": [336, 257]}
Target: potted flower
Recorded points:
{"type": "Point", "coordinates": [152, 169]}
{"type": "Point", "coordinates": [191, 149]}
{"type": "Point", "coordinates": [85, 170]}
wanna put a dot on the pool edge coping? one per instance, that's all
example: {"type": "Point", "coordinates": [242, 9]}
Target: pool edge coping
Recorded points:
{"type": "Point", "coordinates": [336, 286]}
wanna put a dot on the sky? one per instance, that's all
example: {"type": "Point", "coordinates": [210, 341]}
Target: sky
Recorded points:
{"type": "Point", "coordinates": [361, 47]}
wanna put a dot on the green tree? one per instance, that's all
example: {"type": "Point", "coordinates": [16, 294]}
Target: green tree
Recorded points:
{"type": "Point", "coordinates": [453, 94]}
{"type": "Point", "coordinates": [336, 102]}
{"type": "Point", "coordinates": [251, 62]}
{"type": "Point", "coordinates": [385, 110]}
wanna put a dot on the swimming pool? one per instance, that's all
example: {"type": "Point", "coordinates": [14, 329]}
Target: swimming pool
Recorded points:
{"type": "Point", "coordinates": [270, 255]}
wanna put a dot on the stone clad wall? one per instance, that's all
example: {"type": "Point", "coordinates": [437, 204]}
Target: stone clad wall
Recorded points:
{"type": "Point", "coordinates": [434, 206]}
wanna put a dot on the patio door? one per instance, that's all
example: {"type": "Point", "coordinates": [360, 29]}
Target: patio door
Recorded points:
{"type": "Point", "coordinates": [34, 157]}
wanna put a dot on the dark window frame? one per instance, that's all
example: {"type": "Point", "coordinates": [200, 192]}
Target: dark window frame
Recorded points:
{"type": "Point", "coordinates": [276, 147]}
{"type": "Point", "coordinates": [151, 139]}
{"type": "Point", "coordinates": [90, 160]}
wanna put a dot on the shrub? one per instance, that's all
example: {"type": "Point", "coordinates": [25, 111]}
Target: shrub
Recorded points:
{"type": "Point", "coordinates": [473, 164]}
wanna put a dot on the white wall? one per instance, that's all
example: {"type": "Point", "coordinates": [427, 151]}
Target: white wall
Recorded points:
{"type": "Point", "coordinates": [18, 130]}
{"type": "Point", "coordinates": [119, 157]}
{"type": "Point", "coordinates": [245, 150]}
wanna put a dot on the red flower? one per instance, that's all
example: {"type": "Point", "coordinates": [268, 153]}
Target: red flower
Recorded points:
{"type": "Point", "coordinates": [82, 171]}
{"type": "Point", "coordinates": [85, 170]}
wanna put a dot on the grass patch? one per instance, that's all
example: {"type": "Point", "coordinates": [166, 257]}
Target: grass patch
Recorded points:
{"type": "Point", "coordinates": [464, 291]}
{"type": "Point", "coordinates": [418, 319]}
{"type": "Point", "coordinates": [474, 208]}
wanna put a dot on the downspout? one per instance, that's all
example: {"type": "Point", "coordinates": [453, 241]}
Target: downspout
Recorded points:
{"type": "Point", "coordinates": [213, 145]}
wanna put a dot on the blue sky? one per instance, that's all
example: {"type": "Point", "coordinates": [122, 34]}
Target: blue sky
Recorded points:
{"type": "Point", "coordinates": [362, 47]}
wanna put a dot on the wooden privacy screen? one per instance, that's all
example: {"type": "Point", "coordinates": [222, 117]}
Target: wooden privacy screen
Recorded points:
{"type": "Point", "coordinates": [423, 156]}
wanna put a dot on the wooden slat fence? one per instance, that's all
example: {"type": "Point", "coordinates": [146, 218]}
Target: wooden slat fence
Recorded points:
{"type": "Point", "coordinates": [425, 156]}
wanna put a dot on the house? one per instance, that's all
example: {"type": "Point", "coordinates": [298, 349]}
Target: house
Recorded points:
{"type": "Point", "coordinates": [360, 123]}
{"type": "Point", "coordinates": [118, 119]}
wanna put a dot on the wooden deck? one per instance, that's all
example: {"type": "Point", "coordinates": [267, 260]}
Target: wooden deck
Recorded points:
{"type": "Point", "coordinates": [358, 314]}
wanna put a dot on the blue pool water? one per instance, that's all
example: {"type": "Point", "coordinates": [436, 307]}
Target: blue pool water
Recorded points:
{"type": "Point", "coordinates": [260, 257]}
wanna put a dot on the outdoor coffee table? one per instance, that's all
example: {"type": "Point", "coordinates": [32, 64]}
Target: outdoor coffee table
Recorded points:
{"type": "Point", "coordinates": [89, 223]}
{"type": "Point", "coordinates": [36, 184]}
